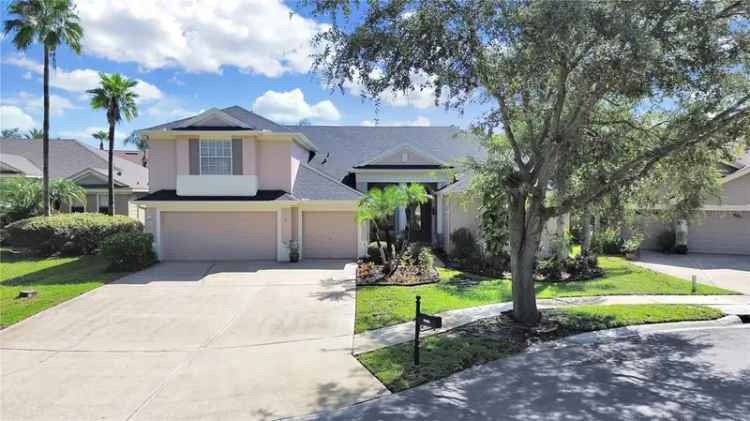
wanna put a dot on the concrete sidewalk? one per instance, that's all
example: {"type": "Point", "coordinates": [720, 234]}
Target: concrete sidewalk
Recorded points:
{"type": "Point", "coordinates": [404, 332]}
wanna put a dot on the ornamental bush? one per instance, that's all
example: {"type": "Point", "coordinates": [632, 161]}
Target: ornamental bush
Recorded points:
{"type": "Point", "coordinates": [69, 234]}
{"type": "Point", "coordinates": [464, 244]}
{"type": "Point", "coordinates": [129, 251]}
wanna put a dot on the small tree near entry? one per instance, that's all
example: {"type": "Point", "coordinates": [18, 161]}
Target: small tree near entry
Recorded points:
{"type": "Point", "coordinates": [378, 207]}
{"type": "Point", "coordinates": [590, 96]}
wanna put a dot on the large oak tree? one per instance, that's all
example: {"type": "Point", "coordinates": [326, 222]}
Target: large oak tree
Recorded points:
{"type": "Point", "coordinates": [590, 96]}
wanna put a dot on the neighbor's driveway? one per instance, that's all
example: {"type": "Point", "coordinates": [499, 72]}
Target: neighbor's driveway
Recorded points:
{"type": "Point", "coordinates": [190, 341]}
{"type": "Point", "coordinates": [723, 270]}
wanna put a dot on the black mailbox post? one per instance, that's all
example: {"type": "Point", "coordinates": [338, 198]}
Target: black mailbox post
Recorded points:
{"type": "Point", "coordinates": [425, 321]}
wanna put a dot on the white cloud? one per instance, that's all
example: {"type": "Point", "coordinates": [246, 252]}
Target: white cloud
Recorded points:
{"type": "Point", "coordinates": [422, 96]}
{"type": "Point", "coordinates": [291, 107]}
{"type": "Point", "coordinates": [34, 104]}
{"type": "Point", "coordinates": [27, 76]}
{"type": "Point", "coordinates": [12, 117]}
{"type": "Point", "coordinates": [81, 80]}
{"type": "Point", "coordinates": [262, 36]}
{"type": "Point", "coordinates": [419, 121]}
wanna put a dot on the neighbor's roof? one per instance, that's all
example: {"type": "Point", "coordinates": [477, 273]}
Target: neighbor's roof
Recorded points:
{"type": "Point", "coordinates": [311, 184]}
{"type": "Point", "coordinates": [69, 157]}
{"type": "Point", "coordinates": [20, 164]}
{"type": "Point", "coordinates": [340, 148]}
{"type": "Point", "coordinates": [135, 157]}
{"type": "Point", "coordinates": [247, 117]}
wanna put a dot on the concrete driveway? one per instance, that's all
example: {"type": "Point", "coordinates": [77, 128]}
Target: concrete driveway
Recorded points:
{"type": "Point", "coordinates": [723, 270]}
{"type": "Point", "coordinates": [230, 340]}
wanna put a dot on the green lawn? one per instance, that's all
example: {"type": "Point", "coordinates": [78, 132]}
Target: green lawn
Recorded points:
{"type": "Point", "coordinates": [489, 339]}
{"type": "Point", "coordinates": [55, 279]}
{"type": "Point", "coordinates": [379, 306]}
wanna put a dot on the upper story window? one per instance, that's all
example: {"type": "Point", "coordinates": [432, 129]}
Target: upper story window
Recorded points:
{"type": "Point", "coordinates": [216, 157]}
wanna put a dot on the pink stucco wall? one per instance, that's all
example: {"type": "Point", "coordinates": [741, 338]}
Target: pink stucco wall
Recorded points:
{"type": "Point", "coordinates": [249, 155]}
{"type": "Point", "coordinates": [182, 157]}
{"type": "Point", "coordinates": [737, 191]}
{"type": "Point", "coordinates": [274, 165]}
{"type": "Point", "coordinates": [298, 155]}
{"type": "Point", "coordinates": [162, 167]}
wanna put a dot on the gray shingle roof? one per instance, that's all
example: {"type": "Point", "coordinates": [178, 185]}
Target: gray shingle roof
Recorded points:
{"type": "Point", "coordinates": [21, 164]}
{"type": "Point", "coordinates": [342, 147]}
{"type": "Point", "coordinates": [311, 184]}
{"type": "Point", "coordinates": [69, 157]}
{"type": "Point", "coordinates": [248, 117]}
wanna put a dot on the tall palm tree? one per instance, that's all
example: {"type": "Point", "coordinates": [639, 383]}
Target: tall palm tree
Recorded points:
{"type": "Point", "coordinates": [51, 23]}
{"type": "Point", "coordinates": [116, 96]}
{"type": "Point", "coordinates": [34, 134]}
{"type": "Point", "coordinates": [100, 135]}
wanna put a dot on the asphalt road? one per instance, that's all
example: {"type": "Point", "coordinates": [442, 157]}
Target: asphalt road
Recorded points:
{"type": "Point", "coordinates": [687, 375]}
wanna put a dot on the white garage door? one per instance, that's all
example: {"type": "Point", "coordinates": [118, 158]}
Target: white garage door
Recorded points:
{"type": "Point", "coordinates": [329, 235]}
{"type": "Point", "coordinates": [721, 232]}
{"type": "Point", "coordinates": [218, 235]}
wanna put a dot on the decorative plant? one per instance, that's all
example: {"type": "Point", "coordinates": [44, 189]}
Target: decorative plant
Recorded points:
{"type": "Point", "coordinates": [293, 251]}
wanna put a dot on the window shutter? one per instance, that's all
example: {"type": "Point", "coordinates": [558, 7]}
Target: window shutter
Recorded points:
{"type": "Point", "coordinates": [237, 156]}
{"type": "Point", "coordinates": [195, 157]}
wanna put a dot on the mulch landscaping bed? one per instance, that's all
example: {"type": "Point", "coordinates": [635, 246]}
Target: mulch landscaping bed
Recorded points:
{"type": "Point", "coordinates": [370, 274]}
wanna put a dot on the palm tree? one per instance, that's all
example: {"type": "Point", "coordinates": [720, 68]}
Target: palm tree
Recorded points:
{"type": "Point", "coordinates": [116, 96]}
{"type": "Point", "coordinates": [65, 191]}
{"type": "Point", "coordinates": [100, 135]}
{"type": "Point", "coordinates": [13, 133]}
{"type": "Point", "coordinates": [34, 134]}
{"type": "Point", "coordinates": [50, 22]}
{"type": "Point", "coordinates": [415, 195]}
{"type": "Point", "coordinates": [140, 143]}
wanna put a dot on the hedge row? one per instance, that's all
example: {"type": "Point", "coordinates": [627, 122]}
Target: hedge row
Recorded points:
{"type": "Point", "coordinates": [69, 234]}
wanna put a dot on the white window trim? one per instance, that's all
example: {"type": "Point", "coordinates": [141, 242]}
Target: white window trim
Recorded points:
{"type": "Point", "coordinates": [231, 155]}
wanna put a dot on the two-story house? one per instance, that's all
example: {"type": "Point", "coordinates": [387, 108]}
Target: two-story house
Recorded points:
{"type": "Point", "coordinates": [229, 184]}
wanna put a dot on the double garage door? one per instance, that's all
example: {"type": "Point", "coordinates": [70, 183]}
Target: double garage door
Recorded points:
{"type": "Point", "coordinates": [252, 235]}
{"type": "Point", "coordinates": [721, 232]}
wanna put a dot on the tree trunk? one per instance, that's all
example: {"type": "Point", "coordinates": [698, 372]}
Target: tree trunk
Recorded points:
{"type": "Point", "coordinates": [45, 137]}
{"type": "Point", "coordinates": [525, 236]}
{"type": "Point", "coordinates": [111, 180]}
{"type": "Point", "coordinates": [587, 230]}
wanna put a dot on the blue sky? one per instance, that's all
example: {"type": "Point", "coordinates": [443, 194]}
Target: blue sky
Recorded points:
{"type": "Point", "coordinates": [190, 56]}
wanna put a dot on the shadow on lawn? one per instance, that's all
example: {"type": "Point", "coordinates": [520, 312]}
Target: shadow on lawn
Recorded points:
{"type": "Point", "coordinates": [76, 271]}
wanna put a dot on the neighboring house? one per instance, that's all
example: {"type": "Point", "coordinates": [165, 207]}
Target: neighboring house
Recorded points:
{"type": "Point", "coordinates": [136, 157]}
{"type": "Point", "coordinates": [229, 184]}
{"type": "Point", "coordinates": [83, 164]}
{"type": "Point", "coordinates": [724, 226]}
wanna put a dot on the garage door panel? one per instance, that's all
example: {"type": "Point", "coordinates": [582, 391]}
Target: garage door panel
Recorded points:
{"type": "Point", "coordinates": [329, 235]}
{"type": "Point", "coordinates": [721, 232]}
{"type": "Point", "coordinates": [218, 235]}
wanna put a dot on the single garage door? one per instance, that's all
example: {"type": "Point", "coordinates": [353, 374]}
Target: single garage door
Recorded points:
{"type": "Point", "coordinates": [721, 232]}
{"type": "Point", "coordinates": [218, 235]}
{"type": "Point", "coordinates": [329, 235]}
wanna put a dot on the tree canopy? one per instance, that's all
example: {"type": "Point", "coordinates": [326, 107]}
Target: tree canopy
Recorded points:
{"type": "Point", "coordinates": [591, 97]}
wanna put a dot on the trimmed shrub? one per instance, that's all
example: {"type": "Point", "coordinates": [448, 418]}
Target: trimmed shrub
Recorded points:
{"type": "Point", "coordinates": [70, 233]}
{"type": "Point", "coordinates": [681, 249]}
{"type": "Point", "coordinates": [550, 269]}
{"type": "Point", "coordinates": [464, 244]}
{"type": "Point", "coordinates": [607, 241]}
{"type": "Point", "coordinates": [129, 251]}
{"type": "Point", "coordinates": [666, 240]}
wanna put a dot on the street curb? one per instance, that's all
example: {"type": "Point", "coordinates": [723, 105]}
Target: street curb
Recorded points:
{"type": "Point", "coordinates": [609, 335]}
